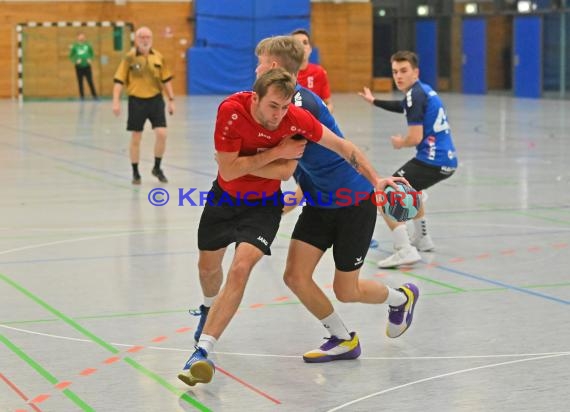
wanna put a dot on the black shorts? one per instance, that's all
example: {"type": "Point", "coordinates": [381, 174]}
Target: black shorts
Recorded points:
{"type": "Point", "coordinates": [347, 229]}
{"type": "Point", "coordinates": [421, 175]}
{"type": "Point", "coordinates": [142, 109]}
{"type": "Point", "coordinates": [228, 223]}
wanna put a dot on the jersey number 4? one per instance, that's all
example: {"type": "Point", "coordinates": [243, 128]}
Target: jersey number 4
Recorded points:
{"type": "Point", "coordinates": [440, 123]}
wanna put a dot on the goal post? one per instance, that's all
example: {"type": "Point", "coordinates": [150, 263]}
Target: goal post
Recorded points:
{"type": "Point", "coordinates": [44, 70]}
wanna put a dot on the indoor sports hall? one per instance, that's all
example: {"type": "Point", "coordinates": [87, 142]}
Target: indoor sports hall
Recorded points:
{"type": "Point", "coordinates": [96, 282]}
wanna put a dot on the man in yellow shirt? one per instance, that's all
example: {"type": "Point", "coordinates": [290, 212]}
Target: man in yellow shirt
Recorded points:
{"type": "Point", "coordinates": [145, 74]}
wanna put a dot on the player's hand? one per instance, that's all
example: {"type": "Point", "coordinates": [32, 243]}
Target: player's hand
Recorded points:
{"type": "Point", "coordinates": [367, 95]}
{"type": "Point", "coordinates": [171, 107]}
{"type": "Point", "coordinates": [116, 108]}
{"type": "Point", "coordinates": [397, 141]}
{"type": "Point", "coordinates": [292, 148]}
{"type": "Point", "coordinates": [390, 181]}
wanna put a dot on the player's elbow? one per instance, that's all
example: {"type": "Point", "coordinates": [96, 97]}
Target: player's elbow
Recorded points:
{"type": "Point", "coordinates": [227, 174]}
{"type": "Point", "coordinates": [287, 170]}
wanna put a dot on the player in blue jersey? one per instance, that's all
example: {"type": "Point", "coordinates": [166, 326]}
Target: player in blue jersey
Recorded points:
{"type": "Point", "coordinates": [435, 160]}
{"type": "Point", "coordinates": [331, 219]}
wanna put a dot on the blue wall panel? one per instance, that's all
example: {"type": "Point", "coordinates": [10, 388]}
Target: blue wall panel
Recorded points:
{"type": "Point", "coordinates": [426, 49]}
{"type": "Point", "coordinates": [219, 70]}
{"type": "Point", "coordinates": [252, 8]}
{"type": "Point", "coordinates": [474, 49]}
{"type": "Point", "coordinates": [278, 26]}
{"type": "Point", "coordinates": [224, 32]}
{"type": "Point", "coordinates": [527, 79]}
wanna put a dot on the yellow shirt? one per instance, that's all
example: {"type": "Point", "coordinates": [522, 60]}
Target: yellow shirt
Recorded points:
{"type": "Point", "coordinates": [143, 76]}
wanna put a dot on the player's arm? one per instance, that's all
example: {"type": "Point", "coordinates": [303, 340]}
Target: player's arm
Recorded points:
{"type": "Point", "coordinates": [232, 165]}
{"type": "Point", "coordinates": [291, 201]}
{"type": "Point", "coordinates": [390, 105]}
{"type": "Point", "coordinates": [413, 138]}
{"type": "Point", "coordinates": [280, 169]}
{"type": "Point", "coordinates": [117, 87]}
{"type": "Point", "coordinates": [354, 156]}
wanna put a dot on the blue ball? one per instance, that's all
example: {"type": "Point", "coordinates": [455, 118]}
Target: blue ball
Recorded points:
{"type": "Point", "coordinates": [403, 204]}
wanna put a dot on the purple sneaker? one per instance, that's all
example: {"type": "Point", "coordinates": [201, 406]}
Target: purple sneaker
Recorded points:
{"type": "Point", "coordinates": [335, 349]}
{"type": "Point", "coordinates": [400, 317]}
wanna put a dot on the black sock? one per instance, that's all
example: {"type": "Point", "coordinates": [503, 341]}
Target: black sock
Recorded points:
{"type": "Point", "coordinates": [135, 169]}
{"type": "Point", "coordinates": [157, 161]}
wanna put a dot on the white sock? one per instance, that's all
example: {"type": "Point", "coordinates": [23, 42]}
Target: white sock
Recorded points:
{"type": "Point", "coordinates": [334, 324]}
{"type": "Point", "coordinates": [420, 227]}
{"type": "Point", "coordinates": [207, 343]}
{"type": "Point", "coordinates": [208, 302]}
{"type": "Point", "coordinates": [401, 237]}
{"type": "Point", "coordinates": [395, 297]}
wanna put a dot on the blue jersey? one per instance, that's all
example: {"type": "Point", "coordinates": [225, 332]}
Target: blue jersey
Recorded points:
{"type": "Point", "coordinates": [325, 178]}
{"type": "Point", "coordinates": [423, 106]}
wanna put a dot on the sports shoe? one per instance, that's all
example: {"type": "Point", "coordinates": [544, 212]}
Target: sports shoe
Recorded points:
{"type": "Point", "coordinates": [423, 243]}
{"type": "Point", "coordinates": [203, 313]}
{"type": "Point", "coordinates": [160, 175]}
{"type": "Point", "coordinates": [400, 317]}
{"type": "Point", "coordinates": [335, 349]}
{"type": "Point", "coordinates": [198, 369]}
{"type": "Point", "coordinates": [404, 256]}
{"type": "Point", "coordinates": [136, 180]}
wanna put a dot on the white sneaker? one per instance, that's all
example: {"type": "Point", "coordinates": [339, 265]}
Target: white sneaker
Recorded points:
{"type": "Point", "coordinates": [423, 243]}
{"type": "Point", "coordinates": [404, 256]}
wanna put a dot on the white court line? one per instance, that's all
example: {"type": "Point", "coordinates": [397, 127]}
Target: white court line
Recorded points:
{"type": "Point", "coordinates": [81, 239]}
{"type": "Point", "coordinates": [444, 375]}
{"type": "Point", "coordinates": [262, 355]}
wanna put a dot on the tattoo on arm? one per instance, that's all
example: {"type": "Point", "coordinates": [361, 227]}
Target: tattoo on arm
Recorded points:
{"type": "Point", "coordinates": [353, 161]}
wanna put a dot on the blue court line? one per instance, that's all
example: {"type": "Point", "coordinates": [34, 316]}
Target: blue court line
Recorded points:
{"type": "Point", "coordinates": [504, 285]}
{"type": "Point", "coordinates": [92, 147]}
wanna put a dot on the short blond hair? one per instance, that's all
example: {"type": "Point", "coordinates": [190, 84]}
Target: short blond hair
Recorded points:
{"type": "Point", "coordinates": [286, 50]}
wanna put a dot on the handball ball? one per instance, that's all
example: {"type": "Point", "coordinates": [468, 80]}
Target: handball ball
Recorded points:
{"type": "Point", "coordinates": [402, 204]}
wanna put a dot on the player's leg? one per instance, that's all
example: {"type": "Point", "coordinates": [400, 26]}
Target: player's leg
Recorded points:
{"type": "Point", "coordinates": [404, 252]}
{"type": "Point", "coordinates": [89, 77]}
{"type": "Point", "coordinates": [257, 227]}
{"type": "Point", "coordinates": [79, 75]}
{"type": "Point", "coordinates": [426, 177]}
{"type": "Point", "coordinates": [157, 118]}
{"type": "Point", "coordinates": [135, 124]}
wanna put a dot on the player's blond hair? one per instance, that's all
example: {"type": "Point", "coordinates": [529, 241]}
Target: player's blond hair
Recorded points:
{"type": "Point", "coordinates": [286, 50]}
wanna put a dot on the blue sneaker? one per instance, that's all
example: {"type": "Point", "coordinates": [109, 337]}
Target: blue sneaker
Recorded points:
{"type": "Point", "coordinates": [198, 369]}
{"type": "Point", "coordinates": [335, 349]}
{"type": "Point", "coordinates": [400, 317]}
{"type": "Point", "coordinates": [203, 313]}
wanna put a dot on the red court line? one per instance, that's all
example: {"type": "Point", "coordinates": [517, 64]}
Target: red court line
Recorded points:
{"type": "Point", "coordinates": [87, 372]}
{"type": "Point", "coordinates": [247, 385]}
{"type": "Point", "coordinates": [62, 385]}
{"type": "Point", "coordinates": [39, 398]}
{"type": "Point", "coordinates": [18, 391]}
{"type": "Point", "coordinates": [111, 360]}
{"type": "Point", "coordinates": [256, 305]}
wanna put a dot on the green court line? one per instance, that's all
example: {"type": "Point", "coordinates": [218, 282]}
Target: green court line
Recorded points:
{"type": "Point", "coordinates": [44, 373]}
{"type": "Point", "coordinates": [272, 304]}
{"type": "Point", "coordinates": [105, 345]}
{"type": "Point", "coordinates": [424, 278]}
{"type": "Point", "coordinates": [548, 219]}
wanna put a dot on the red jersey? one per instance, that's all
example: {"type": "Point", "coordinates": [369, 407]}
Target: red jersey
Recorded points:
{"type": "Point", "coordinates": [314, 78]}
{"type": "Point", "coordinates": [237, 131]}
